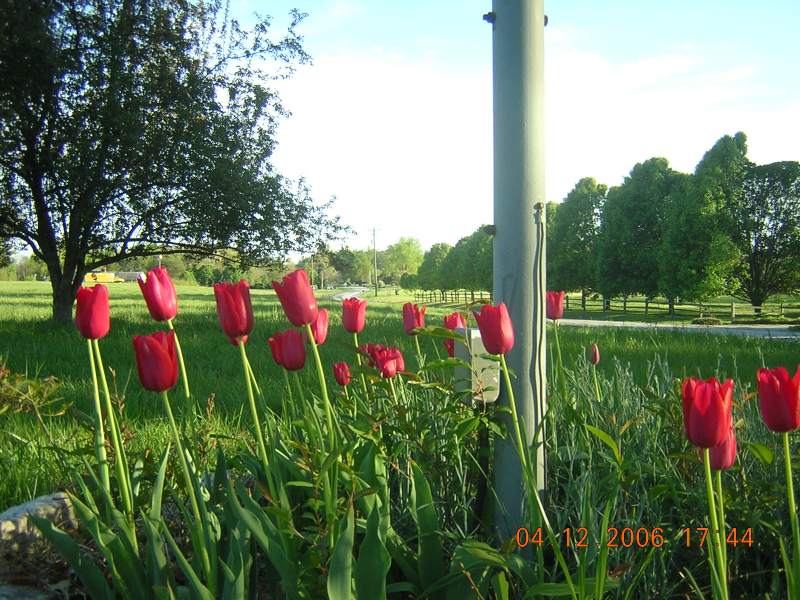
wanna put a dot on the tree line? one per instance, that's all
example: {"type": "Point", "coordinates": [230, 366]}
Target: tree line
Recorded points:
{"type": "Point", "coordinates": [731, 227]}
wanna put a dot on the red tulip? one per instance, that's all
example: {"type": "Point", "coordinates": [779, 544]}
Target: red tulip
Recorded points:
{"type": "Point", "coordinates": [453, 321]}
{"type": "Point", "coordinates": [594, 354]}
{"type": "Point", "coordinates": [389, 361]}
{"type": "Point", "coordinates": [297, 298]}
{"type": "Point", "coordinates": [779, 398]}
{"type": "Point", "coordinates": [413, 316]}
{"type": "Point", "coordinates": [319, 327]}
{"type": "Point", "coordinates": [341, 372]}
{"type": "Point", "coordinates": [234, 310]}
{"type": "Point", "coordinates": [156, 360]}
{"type": "Point", "coordinates": [497, 332]}
{"type": "Point", "coordinates": [92, 313]}
{"type": "Point", "coordinates": [159, 294]}
{"type": "Point", "coordinates": [555, 305]}
{"type": "Point", "coordinates": [354, 314]}
{"type": "Point", "coordinates": [707, 410]}
{"type": "Point", "coordinates": [724, 455]}
{"type": "Point", "coordinates": [288, 349]}
{"type": "Point", "coordinates": [370, 350]}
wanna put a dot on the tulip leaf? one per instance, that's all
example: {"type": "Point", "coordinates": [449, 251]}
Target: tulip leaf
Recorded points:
{"type": "Point", "coordinates": [341, 567]}
{"type": "Point", "coordinates": [607, 440]}
{"type": "Point", "coordinates": [445, 362]}
{"type": "Point", "coordinates": [761, 452]}
{"type": "Point", "coordinates": [373, 560]}
{"type": "Point", "coordinates": [430, 554]}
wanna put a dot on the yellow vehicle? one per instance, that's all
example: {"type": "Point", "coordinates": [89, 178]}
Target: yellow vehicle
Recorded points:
{"type": "Point", "coordinates": [102, 277]}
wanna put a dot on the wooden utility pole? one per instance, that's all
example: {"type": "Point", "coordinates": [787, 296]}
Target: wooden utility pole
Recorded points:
{"type": "Point", "coordinates": [519, 241]}
{"type": "Point", "coordinates": [375, 260]}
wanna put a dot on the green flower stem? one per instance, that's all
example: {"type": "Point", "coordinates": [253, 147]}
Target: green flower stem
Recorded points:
{"type": "Point", "coordinates": [722, 535]}
{"type": "Point", "coordinates": [561, 377]}
{"type": "Point", "coordinates": [99, 436]}
{"type": "Point", "coordinates": [712, 511]}
{"type": "Point", "coordinates": [187, 479]}
{"type": "Point", "coordinates": [299, 386]}
{"type": "Point", "coordinates": [184, 377]}
{"type": "Point", "coordinates": [358, 362]}
{"type": "Point", "coordinates": [596, 383]}
{"type": "Point", "coordinates": [787, 460]}
{"type": "Point", "coordinates": [120, 460]}
{"type": "Point", "coordinates": [288, 384]}
{"type": "Point", "coordinates": [323, 386]}
{"type": "Point", "coordinates": [521, 448]}
{"type": "Point", "coordinates": [253, 377]}
{"type": "Point", "coordinates": [262, 449]}
{"type": "Point", "coordinates": [394, 392]}
{"type": "Point", "coordinates": [420, 362]}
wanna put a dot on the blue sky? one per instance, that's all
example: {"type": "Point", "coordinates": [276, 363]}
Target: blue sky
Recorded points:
{"type": "Point", "coordinates": [394, 115]}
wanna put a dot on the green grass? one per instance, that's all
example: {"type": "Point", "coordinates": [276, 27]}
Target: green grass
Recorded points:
{"type": "Point", "coordinates": [658, 484]}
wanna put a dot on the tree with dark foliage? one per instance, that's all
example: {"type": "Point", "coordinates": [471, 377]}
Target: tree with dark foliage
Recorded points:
{"type": "Point", "coordinates": [134, 128]}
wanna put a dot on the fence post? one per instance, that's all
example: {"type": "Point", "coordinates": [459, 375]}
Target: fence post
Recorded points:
{"type": "Point", "coordinates": [781, 308]}
{"type": "Point", "coordinates": [646, 305]}
{"type": "Point", "coordinates": [733, 309]}
{"type": "Point", "coordinates": [567, 299]}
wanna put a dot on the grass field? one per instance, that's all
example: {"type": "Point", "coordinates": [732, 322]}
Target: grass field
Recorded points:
{"type": "Point", "coordinates": [656, 482]}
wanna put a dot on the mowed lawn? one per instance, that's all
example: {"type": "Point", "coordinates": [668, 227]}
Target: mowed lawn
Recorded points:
{"type": "Point", "coordinates": [31, 344]}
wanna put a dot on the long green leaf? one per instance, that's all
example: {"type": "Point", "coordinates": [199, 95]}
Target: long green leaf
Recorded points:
{"type": "Point", "coordinates": [607, 440]}
{"type": "Point", "coordinates": [158, 486]}
{"type": "Point", "coordinates": [340, 573]}
{"type": "Point", "coordinates": [200, 591]}
{"type": "Point", "coordinates": [87, 571]}
{"type": "Point", "coordinates": [159, 574]}
{"type": "Point", "coordinates": [373, 561]}
{"type": "Point", "coordinates": [430, 554]}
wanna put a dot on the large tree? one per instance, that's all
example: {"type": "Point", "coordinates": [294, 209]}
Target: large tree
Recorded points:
{"type": "Point", "coordinates": [429, 274]}
{"type": "Point", "coordinates": [404, 256]}
{"type": "Point", "coordinates": [631, 230]}
{"type": "Point", "coordinates": [575, 227]}
{"type": "Point", "coordinates": [765, 227]}
{"type": "Point", "coordinates": [136, 128]}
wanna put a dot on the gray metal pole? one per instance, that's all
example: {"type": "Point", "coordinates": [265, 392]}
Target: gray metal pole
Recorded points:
{"type": "Point", "coordinates": [519, 253]}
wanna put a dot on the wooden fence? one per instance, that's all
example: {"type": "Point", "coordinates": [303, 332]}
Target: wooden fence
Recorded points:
{"type": "Point", "coordinates": [732, 310]}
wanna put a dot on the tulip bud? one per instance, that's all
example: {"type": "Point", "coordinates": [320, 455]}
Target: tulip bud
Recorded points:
{"type": "Point", "coordinates": [354, 314]}
{"type": "Point", "coordinates": [288, 349]}
{"type": "Point", "coordinates": [341, 372]}
{"type": "Point", "coordinates": [297, 298]}
{"type": "Point", "coordinates": [593, 354]}
{"type": "Point", "coordinates": [156, 360]}
{"type": "Point", "coordinates": [319, 327]}
{"type": "Point", "coordinates": [92, 316]}
{"type": "Point", "coordinates": [497, 331]}
{"type": "Point", "coordinates": [707, 410]}
{"type": "Point", "coordinates": [413, 317]}
{"type": "Point", "coordinates": [159, 294]}
{"type": "Point", "coordinates": [555, 305]}
{"type": "Point", "coordinates": [779, 399]}
{"type": "Point", "coordinates": [724, 455]}
{"type": "Point", "coordinates": [234, 310]}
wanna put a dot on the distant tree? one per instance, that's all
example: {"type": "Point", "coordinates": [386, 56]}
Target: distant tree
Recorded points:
{"type": "Point", "coordinates": [765, 228]}
{"type": "Point", "coordinates": [629, 243]}
{"type": "Point", "coordinates": [429, 274]}
{"type": "Point", "coordinates": [453, 272]}
{"type": "Point", "coordinates": [475, 268]}
{"type": "Point", "coordinates": [404, 256]}
{"type": "Point", "coordinates": [143, 128]}
{"type": "Point", "coordinates": [5, 253]}
{"type": "Point", "coordinates": [696, 255]}
{"type": "Point", "coordinates": [575, 228]}
{"type": "Point", "coordinates": [408, 281]}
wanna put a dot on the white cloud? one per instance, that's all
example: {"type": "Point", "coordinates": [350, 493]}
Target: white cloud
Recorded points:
{"type": "Point", "coordinates": [407, 146]}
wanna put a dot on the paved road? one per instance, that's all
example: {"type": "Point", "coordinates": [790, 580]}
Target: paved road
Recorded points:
{"type": "Point", "coordinates": [355, 292]}
{"type": "Point", "coordinates": [768, 331]}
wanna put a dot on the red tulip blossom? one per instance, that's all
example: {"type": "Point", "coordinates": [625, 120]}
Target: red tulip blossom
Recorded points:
{"type": "Point", "coordinates": [354, 312]}
{"type": "Point", "coordinates": [593, 354]}
{"type": "Point", "coordinates": [413, 316]}
{"type": "Point", "coordinates": [297, 298]}
{"type": "Point", "coordinates": [159, 294]}
{"type": "Point", "coordinates": [453, 321]}
{"type": "Point", "coordinates": [707, 410]}
{"type": "Point", "coordinates": [319, 327]}
{"type": "Point", "coordinates": [724, 455]}
{"type": "Point", "coordinates": [341, 372]}
{"type": "Point", "coordinates": [234, 310]}
{"type": "Point", "coordinates": [92, 316]}
{"type": "Point", "coordinates": [156, 360]}
{"type": "Point", "coordinates": [389, 361]}
{"type": "Point", "coordinates": [497, 331]}
{"type": "Point", "coordinates": [555, 305]}
{"type": "Point", "coordinates": [288, 349]}
{"type": "Point", "coordinates": [779, 398]}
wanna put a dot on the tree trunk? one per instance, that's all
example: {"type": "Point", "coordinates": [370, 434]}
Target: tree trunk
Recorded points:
{"type": "Point", "coordinates": [583, 300]}
{"type": "Point", "coordinates": [63, 299]}
{"type": "Point", "coordinates": [671, 302]}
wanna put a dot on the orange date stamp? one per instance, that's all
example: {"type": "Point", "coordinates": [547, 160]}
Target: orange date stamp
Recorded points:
{"type": "Point", "coordinates": [642, 537]}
